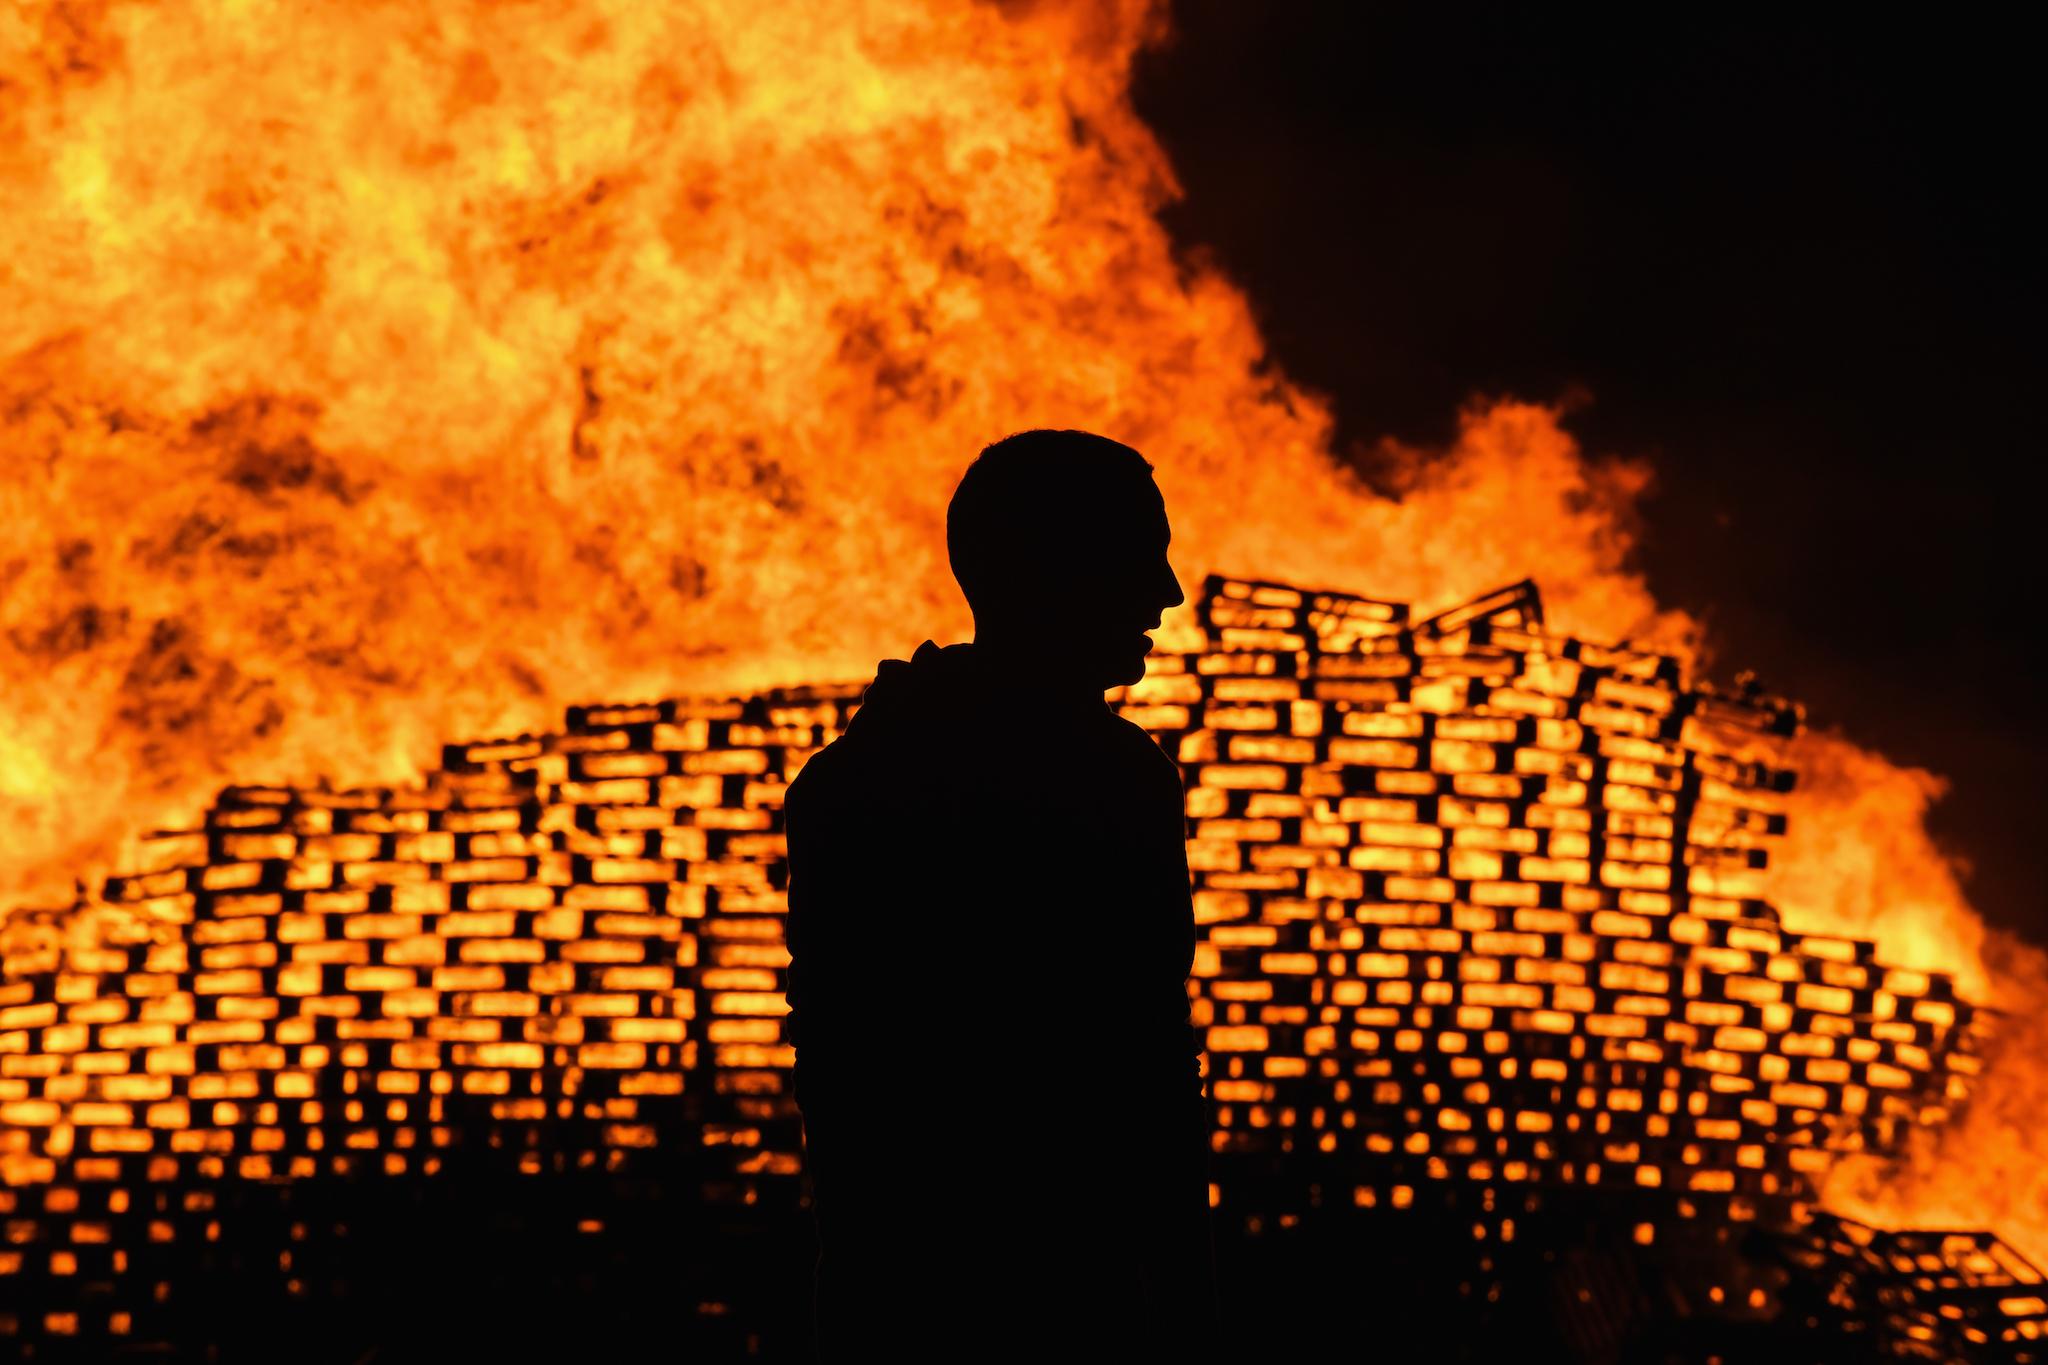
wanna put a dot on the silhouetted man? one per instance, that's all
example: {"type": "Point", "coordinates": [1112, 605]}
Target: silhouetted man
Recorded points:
{"type": "Point", "coordinates": [990, 935]}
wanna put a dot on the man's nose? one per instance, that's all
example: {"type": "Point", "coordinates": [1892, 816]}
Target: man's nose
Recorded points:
{"type": "Point", "coordinates": [1171, 582]}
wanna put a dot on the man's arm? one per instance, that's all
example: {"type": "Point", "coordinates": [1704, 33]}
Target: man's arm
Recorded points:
{"type": "Point", "coordinates": [815, 967]}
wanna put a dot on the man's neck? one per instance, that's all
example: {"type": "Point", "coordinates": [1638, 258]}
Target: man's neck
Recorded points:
{"type": "Point", "coordinates": [1027, 668]}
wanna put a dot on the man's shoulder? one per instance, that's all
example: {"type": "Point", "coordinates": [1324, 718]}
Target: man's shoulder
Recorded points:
{"type": "Point", "coordinates": [845, 772]}
{"type": "Point", "coordinates": [819, 781]}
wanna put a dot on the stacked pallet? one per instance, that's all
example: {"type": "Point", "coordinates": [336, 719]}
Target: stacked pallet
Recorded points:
{"type": "Point", "coordinates": [1481, 905]}
{"type": "Point", "coordinates": [1481, 930]}
{"type": "Point", "coordinates": [527, 963]}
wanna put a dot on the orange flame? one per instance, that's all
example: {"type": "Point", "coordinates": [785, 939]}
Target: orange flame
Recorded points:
{"type": "Point", "coordinates": [379, 374]}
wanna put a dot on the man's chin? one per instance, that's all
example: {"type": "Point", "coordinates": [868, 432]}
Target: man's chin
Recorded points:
{"type": "Point", "coordinates": [1117, 663]}
{"type": "Point", "coordinates": [1127, 672]}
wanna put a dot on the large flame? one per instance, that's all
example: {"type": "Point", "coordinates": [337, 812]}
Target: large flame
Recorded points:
{"type": "Point", "coordinates": [1858, 860]}
{"type": "Point", "coordinates": [374, 374]}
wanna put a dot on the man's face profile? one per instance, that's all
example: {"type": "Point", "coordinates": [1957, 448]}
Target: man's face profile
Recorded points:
{"type": "Point", "coordinates": [1113, 591]}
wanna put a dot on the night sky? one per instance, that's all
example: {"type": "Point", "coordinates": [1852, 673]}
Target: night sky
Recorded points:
{"type": "Point", "coordinates": [1791, 260]}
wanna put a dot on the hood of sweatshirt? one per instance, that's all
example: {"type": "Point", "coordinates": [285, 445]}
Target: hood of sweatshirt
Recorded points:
{"type": "Point", "coordinates": [954, 694]}
{"type": "Point", "coordinates": [935, 690]}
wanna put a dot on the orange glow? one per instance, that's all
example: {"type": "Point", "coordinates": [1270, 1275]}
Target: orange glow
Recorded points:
{"type": "Point", "coordinates": [375, 374]}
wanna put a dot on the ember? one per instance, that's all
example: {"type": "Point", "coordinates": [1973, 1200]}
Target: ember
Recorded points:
{"type": "Point", "coordinates": [1484, 964]}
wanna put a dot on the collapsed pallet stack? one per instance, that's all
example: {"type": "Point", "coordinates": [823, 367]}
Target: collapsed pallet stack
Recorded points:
{"type": "Point", "coordinates": [1481, 932]}
{"type": "Point", "coordinates": [1937, 1295]}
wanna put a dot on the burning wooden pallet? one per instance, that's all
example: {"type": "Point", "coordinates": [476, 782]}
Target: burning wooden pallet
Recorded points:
{"type": "Point", "coordinates": [1482, 938]}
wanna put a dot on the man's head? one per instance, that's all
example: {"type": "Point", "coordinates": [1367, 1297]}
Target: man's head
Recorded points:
{"type": "Point", "coordinates": [1059, 540]}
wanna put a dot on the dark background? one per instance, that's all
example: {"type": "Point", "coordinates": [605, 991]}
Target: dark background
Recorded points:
{"type": "Point", "coordinates": [1792, 259]}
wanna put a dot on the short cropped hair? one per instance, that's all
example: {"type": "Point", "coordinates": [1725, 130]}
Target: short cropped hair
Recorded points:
{"type": "Point", "coordinates": [1032, 496]}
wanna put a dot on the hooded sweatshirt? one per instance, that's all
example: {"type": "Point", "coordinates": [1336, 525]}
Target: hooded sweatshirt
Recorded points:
{"type": "Point", "coordinates": [990, 936]}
